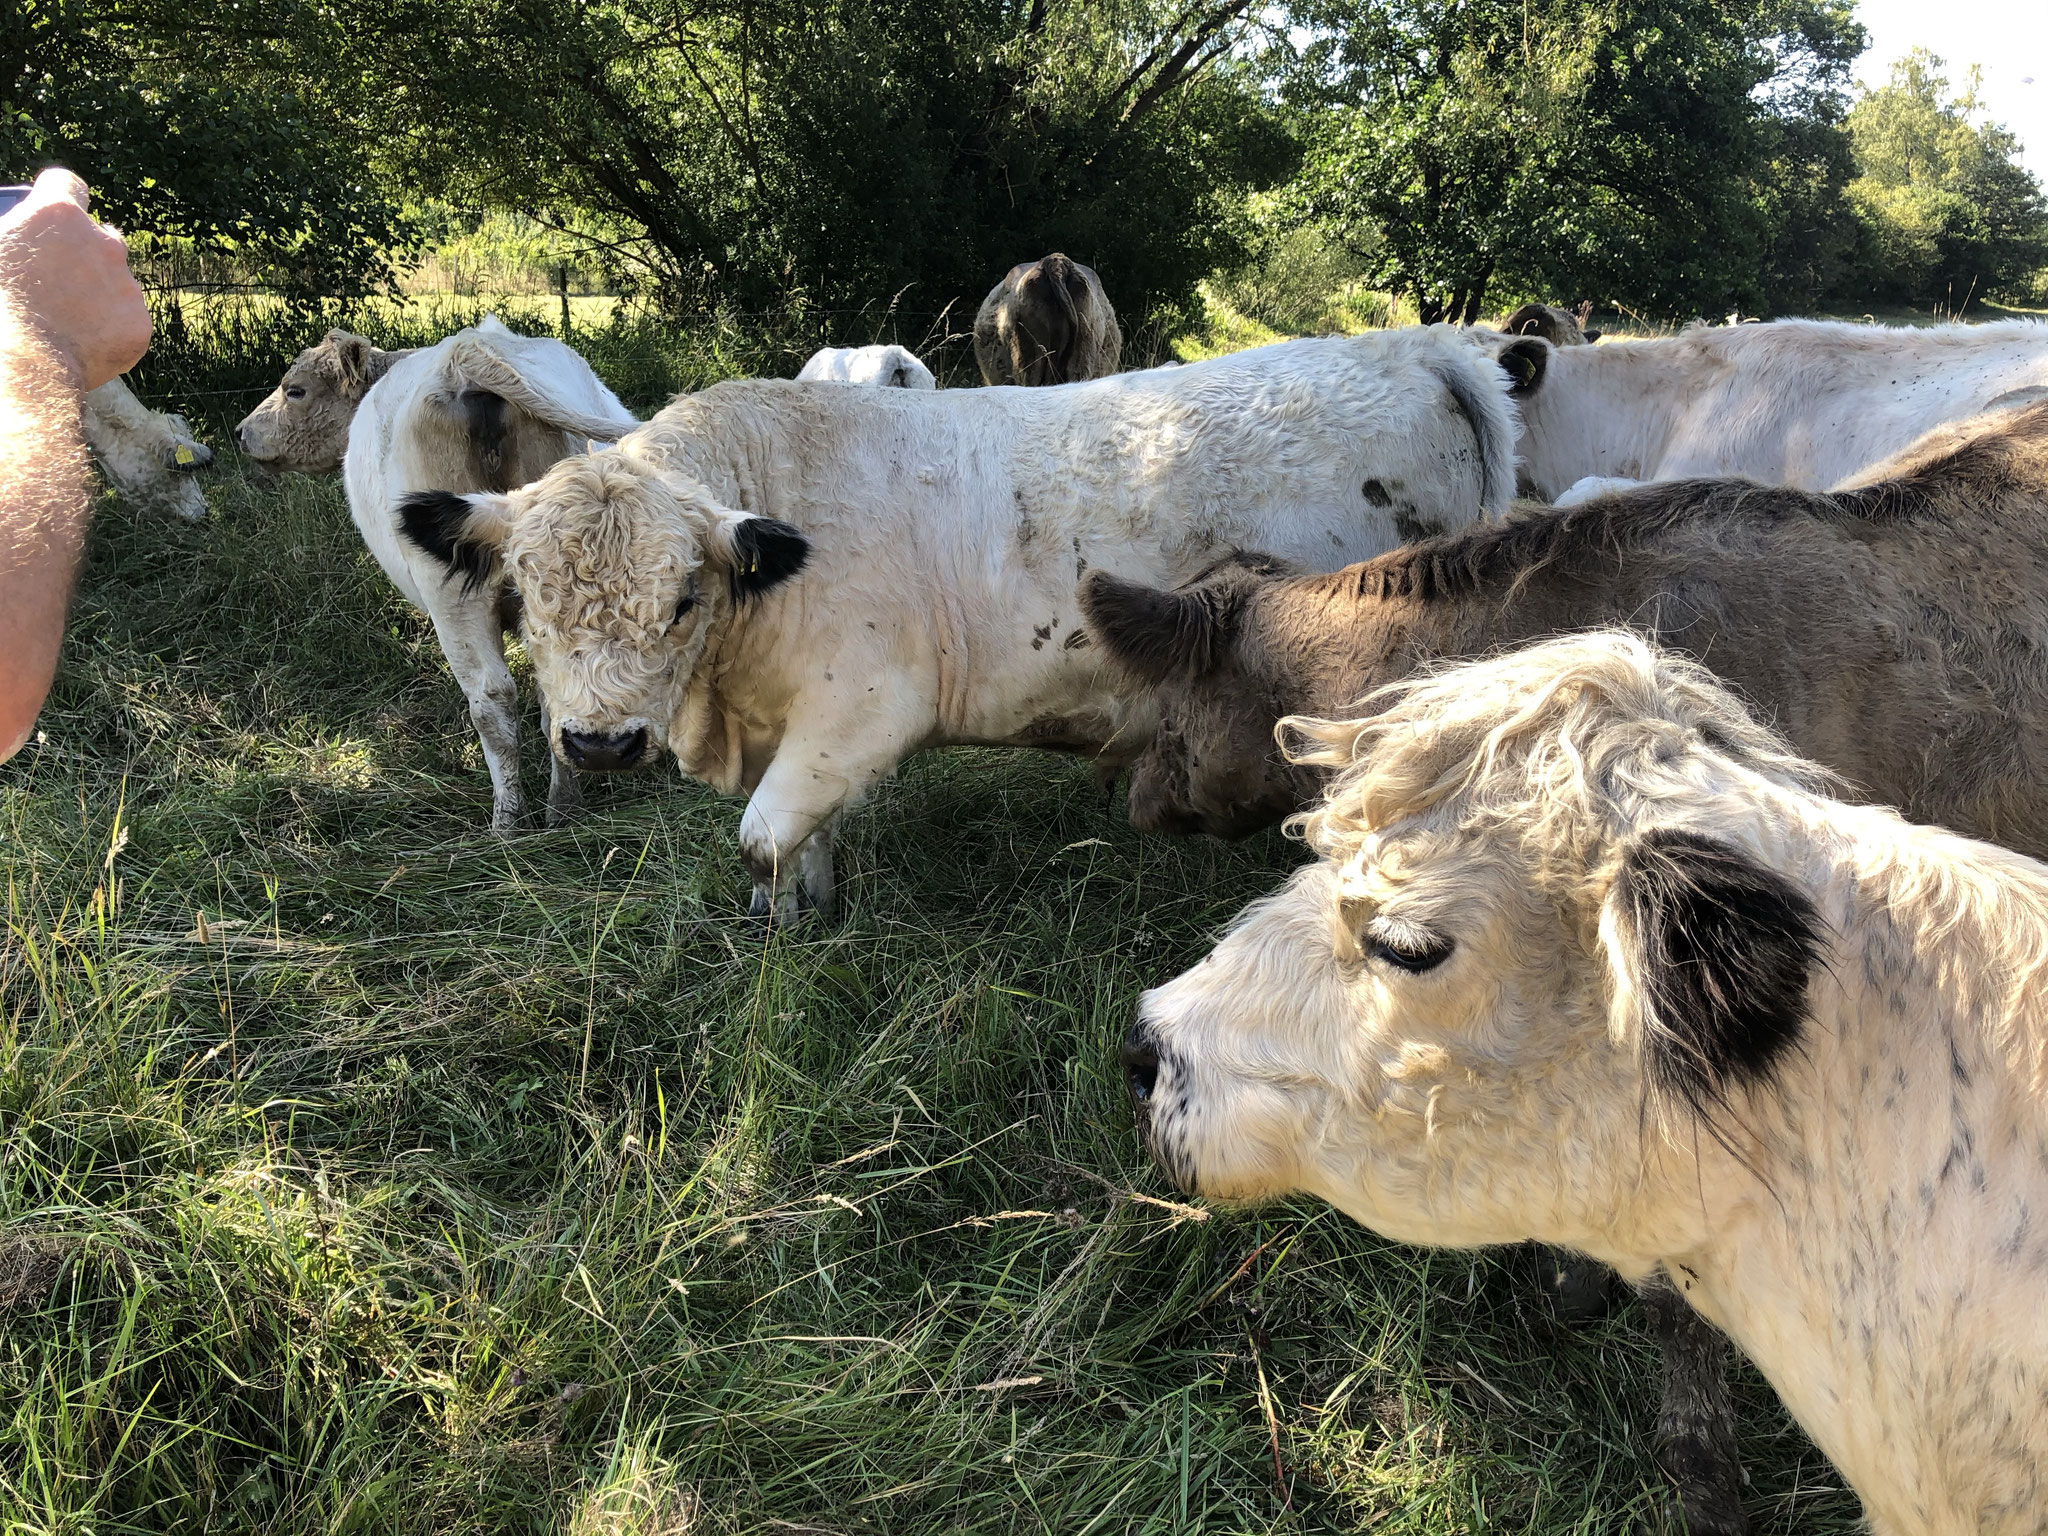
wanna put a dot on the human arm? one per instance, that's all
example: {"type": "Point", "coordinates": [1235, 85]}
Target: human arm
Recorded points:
{"type": "Point", "coordinates": [71, 317]}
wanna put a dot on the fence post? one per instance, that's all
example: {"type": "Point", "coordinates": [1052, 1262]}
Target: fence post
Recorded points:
{"type": "Point", "coordinates": [562, 277]}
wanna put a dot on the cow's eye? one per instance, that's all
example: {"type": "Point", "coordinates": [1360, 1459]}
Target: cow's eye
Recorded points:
{"type": "Point", "coordinates": [1412, 949]}
{"type": "Point", "coordinates": [685, 603]}
{"type": "Point", "coordinates": [295, 392]}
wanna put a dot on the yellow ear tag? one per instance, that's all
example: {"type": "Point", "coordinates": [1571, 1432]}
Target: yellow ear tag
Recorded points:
{"type": "Point", "coordinates": [183, 455]}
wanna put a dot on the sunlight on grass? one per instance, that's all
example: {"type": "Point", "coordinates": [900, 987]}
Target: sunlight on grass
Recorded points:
{"type": "Point", "coordinates": [361, 1171]}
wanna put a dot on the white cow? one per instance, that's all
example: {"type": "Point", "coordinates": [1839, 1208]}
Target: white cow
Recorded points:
{"type": "Point", "coordinates": [482, 410]}
{"type": "Point", "coordinates": [1793, 402]}
{"type": "Point", "coordinates": [944, 535]}
{"type": "Point", "coordinates": [890, 366]}
{"type": "Point", "coordinates": [149, 457]}
{"type": "Point", "coordinates": [1588, 958]}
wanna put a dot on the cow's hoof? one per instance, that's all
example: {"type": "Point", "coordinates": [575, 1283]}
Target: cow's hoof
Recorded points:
{"type": "Point", "coordinates": [1709, 1487]}
{"type": "Point", "coordinates": [562, 812]}
{"type": "Point", "coordinates": [505, 819]}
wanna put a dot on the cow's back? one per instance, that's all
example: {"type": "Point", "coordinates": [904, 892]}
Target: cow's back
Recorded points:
{"type": "Point", "coordinates": [1324, 451]}
{"type": "Point", "coordinates": [1794, 402]}
{"type": "Point", "coordinates": [424, 426]}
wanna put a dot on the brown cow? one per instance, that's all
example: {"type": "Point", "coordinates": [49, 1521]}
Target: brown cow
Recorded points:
{"type": "Point", "coordinates": [303, 423]}
{"type": "Point", "coordinates": [1559, 327]}
{"type": "Point", "coordinates": [1895, 628]}
{"type": "Point", "coordinates": [1047, 322]}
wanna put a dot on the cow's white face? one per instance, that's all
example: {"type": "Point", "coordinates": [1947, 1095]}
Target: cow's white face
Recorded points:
{"type": "Point", "coordinates": [623, 571]}
{"type": "Point", "coordinates": [1542, 947]}
{"type": "Point", "coordinates": [1412, 1034]}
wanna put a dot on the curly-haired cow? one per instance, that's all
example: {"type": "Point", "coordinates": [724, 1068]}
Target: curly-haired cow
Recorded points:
{"type": "Point", "coordinates": [945, 531]}
{"type": "Point", "coordinates": [1897, 630]}
{"type": "Point", "coordinates": [1588, 957]}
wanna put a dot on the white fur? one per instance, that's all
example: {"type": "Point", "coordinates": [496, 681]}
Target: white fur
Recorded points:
{"type": "Point", "coordinates": [891, 366]}
{"type": "Point", "coordinates": [948, 532]}
{"type": "Point", "coordinates": [150, 457]}
{"type": "Point", "coordinates": [1592, 488]}
{"type": "Point", "coordinates": [1860, 1220]}
{"type": "Point", "coordinates": [1791, 402]}
{"type": "Point", "coordinates": [408, 435]}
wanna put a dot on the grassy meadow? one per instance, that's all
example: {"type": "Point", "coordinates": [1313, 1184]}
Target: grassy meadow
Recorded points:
{"type": "Point", "coordinates": [363, 1172]}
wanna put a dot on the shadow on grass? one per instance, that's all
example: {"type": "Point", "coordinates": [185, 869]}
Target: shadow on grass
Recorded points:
{"type": "Point", "coordinates": [362, 1171]}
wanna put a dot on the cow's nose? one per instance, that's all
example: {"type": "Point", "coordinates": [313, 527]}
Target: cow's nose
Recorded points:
{"type": "Point", "coordinates": [1140, 1058]}
{"type": "Point", "coordinates": [604, 754]}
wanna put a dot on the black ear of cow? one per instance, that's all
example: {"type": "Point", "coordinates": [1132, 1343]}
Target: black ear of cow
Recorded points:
{"type": "Point", "coordinates": [1159, 636]}
{"type": "Point", "coordinates": [434, 521]}
{"type": "Point", "coordinates": [1524, 359]}
{"type": "Point", "coordinates": [765, 554]}
{"type": "Point", "coordinates": [1723, 949]}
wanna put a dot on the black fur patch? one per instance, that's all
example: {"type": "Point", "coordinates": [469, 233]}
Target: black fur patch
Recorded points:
{"type": "Point", "coordinates": [765, 554]}
{"type": "Point", "coordinates": [433, 521]}
{"type": "Point", "coordinates": [1524, 362]}
{"type": "Point", "coordinates": [1724, 949]}
{"type": "Point", "coordinates": [1160, 636]}
{"type": "Point", "coordinates": [489, 422]}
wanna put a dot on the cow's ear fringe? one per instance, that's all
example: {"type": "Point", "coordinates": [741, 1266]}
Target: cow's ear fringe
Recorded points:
{"type": "Point", "coordinates": [1723, 951]}
{"type": "Point", "coordinates": [434, 521]}
{"type": "Point", "coordinates": [1160, 636]}
{"type": "Point", "coordinates": [766, 553]}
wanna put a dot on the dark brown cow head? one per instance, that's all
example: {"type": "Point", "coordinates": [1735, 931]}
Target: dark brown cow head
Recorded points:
{"type": "Point", "coordinates": [1213, 766]}
{"type": "Point", "coordinates": [1559, 327]}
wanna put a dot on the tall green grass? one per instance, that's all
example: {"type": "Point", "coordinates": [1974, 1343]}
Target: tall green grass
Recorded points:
{"type": "Point", "coordinates": [216, 355]}
{"type": "Point", "coordinates": [363, 1172]}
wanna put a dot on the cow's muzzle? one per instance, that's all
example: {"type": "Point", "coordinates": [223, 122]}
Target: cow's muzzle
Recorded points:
{"type": "Point", "coordinates": [605, 754]}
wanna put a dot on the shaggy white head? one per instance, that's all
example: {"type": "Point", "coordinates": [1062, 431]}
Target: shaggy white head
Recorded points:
{"type": "Point", "coordinates": [1527, 950]}
{"type": "Point", "coordinates": [624, 570]}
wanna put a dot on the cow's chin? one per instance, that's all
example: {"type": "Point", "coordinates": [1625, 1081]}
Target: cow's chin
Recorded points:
{"type": "Point", "coordinates": [1233, 1145]}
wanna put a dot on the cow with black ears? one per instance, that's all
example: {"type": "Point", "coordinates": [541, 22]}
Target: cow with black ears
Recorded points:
{"type": "Point", "coordinates": [942, 535]}
{"type": "Point", "coordinates": [1590, 957]}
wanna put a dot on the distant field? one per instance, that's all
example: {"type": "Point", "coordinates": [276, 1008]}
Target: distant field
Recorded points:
{"type": "Point", "coordinates": [362, 1172]}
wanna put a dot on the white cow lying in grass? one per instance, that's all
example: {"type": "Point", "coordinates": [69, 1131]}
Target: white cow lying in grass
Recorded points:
{"type": "Point", "coordinates": [1794, 402]}
{"type": "Point", "coordinates": [480, 411]}
{"type": "Point", "coordinates": [149, 457]}
{"type": "Point", "coordinates": [891, 366]}
{"type": "Point", "coordinates": [940, 536]}
{"type": "Point", "coordinates": [1588, 958]}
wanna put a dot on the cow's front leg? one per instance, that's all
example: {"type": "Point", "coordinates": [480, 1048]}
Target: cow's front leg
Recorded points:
{"type": "Point", "coordinates": [565, 794]}
{"type": "Point", "coordinates": [788, 848]}
{"type": "Point", "coordinates": [1696, 1420]}
{"type": "Point", "coordinates": [786, 834]}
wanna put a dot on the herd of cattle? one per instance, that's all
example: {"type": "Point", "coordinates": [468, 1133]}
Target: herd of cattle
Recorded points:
{"type": "Point", "coordinates": [1602, 948]}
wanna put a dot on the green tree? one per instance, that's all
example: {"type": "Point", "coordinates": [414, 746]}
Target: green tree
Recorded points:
{"type": "Point", "coordinates": [1950, 214]}
{"type": "Point", "coordinates": [184, 138]}
{"type": "Point", "coordinates": [1664, 154]}
{"type": "Point", "coordinates": [837, 151]}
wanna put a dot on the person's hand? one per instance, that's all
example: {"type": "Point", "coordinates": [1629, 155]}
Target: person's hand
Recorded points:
{"type": "Point", "coordinates": [69, 278]}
